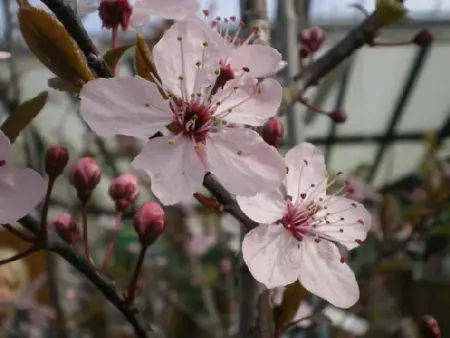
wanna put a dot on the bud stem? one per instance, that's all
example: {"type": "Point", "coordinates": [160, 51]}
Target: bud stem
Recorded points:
{"type": "Point", "coordinates": [112, 242]}
{"type": "Point", "coordinates": [85, 233]}
{"type": "Point", "coordinates": [45, 207]}
{"type": "Point", "coordinates": [137, 271]}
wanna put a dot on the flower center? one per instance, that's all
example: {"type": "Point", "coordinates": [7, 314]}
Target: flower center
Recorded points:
{"type": "Point", "coordinates": [193, 119]}
{"type": "Point", "coordinates": [299, 220]}
{"type": "Point", "coordinates": [226, 74]}
{"type": "Point", "coordinates": [114, 13]}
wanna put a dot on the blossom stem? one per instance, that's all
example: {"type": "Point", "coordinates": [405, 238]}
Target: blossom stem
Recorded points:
{"type": "Point", "coordinates": [132, 287]}
{"type": "Point", "coordinates": [85, 233]}
{"type": "Point", "coordinates": [20, 255]}
{"type": "Point", "coordinates": [112, 242]}
{"type": "Point", "coordinates": [45, 207]}
{"type": "Point", "coordinates": [18, 234]}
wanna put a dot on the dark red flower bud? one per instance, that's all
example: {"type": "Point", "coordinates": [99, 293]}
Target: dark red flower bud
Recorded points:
{"type": "Point", "coordinates": [429, 327]}
{"type": "Point", "coordinates": [273, 132]}
{"type": "Point", "coordinates": [66, 228]}
{"type": "Point", "coordinates": [84, 176]}
{"type": "Point", "coordinates": [56, 159]}
{"type": "Point", "coordinates": [312, 38]}
{"type": "Point", "coordinates": [303, 53]}
{"type": "Point", "coordinates": [124, 190]}
{"type": "Point", "coordinates": [423, 38]}
{"type": "Point", "coordinates": [338, 116]}
{"type": "Point", "coordinates": [114, 13]}
{"type": "Point", "coordinates": [149, 222]}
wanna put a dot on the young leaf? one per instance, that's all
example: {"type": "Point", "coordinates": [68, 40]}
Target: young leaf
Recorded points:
{"type": "Point", "coordinates": [23, 115]}
{"type": "Point", "coordinates": [49, 41]}
{"type": "Point", "coordinates": [144, 60]}
{"type": "Point", "coordinates": [390, 11]}
{"type": "Point", "coordinates": [292, 297]}
{"type": "Point", "coordinates": [113, 56]}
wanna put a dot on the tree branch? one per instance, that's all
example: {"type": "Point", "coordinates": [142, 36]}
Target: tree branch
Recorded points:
{"type": "Point", "coordinates": [106, 286]}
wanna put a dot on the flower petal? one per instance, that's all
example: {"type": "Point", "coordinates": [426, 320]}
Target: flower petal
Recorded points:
{"type": "Point", "coordinates": [323, 274]}
{"type": "Point", "coordinates": [306, 167]}
{"type": "Point", "coordinates": [243, 162]}
{"type": "Point", "coordinates": [168, 9]}
{"type": "Point", "coordinates": [4, 55]}
{"type": "Point", "coordinates": [248, 103]}
{"type": "Point", "coordinates": [262, 61]}
{"type": "Point", "coordinates": [271, 255]}
{"type": "Point", "coordinates": [118, 106]}
{"type": "Point", "coordinates": [175, 170]}
{"type": "Point", "coordinates": [178, 53]}
{"type": "Point", "coordinates": [348, 221]}
{"type": "Point", "coordinates": [263, 208]}
{"type": "Point", "coordinates": [20, 193]}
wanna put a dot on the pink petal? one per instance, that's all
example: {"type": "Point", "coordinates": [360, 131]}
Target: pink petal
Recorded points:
{"type": "Point", "coordinates": [175, 170]}
{"type": "Point", "coordinates": [214, 37]}
{"type": "Point", "coordinates": [247, 106]}
{"type": "Point", "coordinates": [322, 273]}
{"type": "Point", "coordinates": [168, 9]}
{"type": "Point", "coordinates": [263, 208]}
{"type": "Point", "coordinates": [303, 311]}
{"type": "Point", "coordinates": [20, 193]}
{"type": "Point", "coordinates": [121, 106]}
{"type": "Point", "coordinates": [271, 255]}
{"type": "Point", "coordinates": [174, 58]}
{"type": "Point", "coordinates": [306, 166]}
{"type": "Point", "coordinates": [263, 61]}
{"type": "Point", "coordinates": [4, 55]}
{"type": "Point", "coordinates": [243, 162]}
{"type": "Point", "coordinates": [5, 149]}
{"type": "Point", "coordinates": [349, 221]}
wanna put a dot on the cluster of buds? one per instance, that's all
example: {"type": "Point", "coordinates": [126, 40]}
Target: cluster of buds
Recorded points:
{"type": "Point", "coordinates": [84, 177]}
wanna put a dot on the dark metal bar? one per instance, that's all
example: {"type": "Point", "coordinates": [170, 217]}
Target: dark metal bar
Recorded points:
{"type": "Point", "coordinates": [399, 109]}
{"type": "Point", "coordinates": [338, 105]}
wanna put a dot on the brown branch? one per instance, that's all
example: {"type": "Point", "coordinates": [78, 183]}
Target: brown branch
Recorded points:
{"type": "Point", "coordinates": [105, 285]}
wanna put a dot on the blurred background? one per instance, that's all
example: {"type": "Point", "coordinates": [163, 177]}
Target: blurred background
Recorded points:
{"type": "Point", "coordinates": [394, 147]}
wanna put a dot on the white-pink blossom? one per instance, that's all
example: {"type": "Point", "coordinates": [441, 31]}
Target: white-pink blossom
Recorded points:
{"type": "Point", "coordinates": [202, 140]}
{"type": "Point", "coordinates": [304, 234]}
{"type": "Point", "coordinates": [4, 55]}
{"type": "Point", "coordinates": [20, 191]}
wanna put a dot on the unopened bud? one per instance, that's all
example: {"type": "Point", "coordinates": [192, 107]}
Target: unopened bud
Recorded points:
{"type": "Point", "coordinates": [66, 228]}
{"type": "Point", "coordinates": [124, 190]}
{"type": "Point", "coordinates": [338, 116]}
{"type": "Point", "coordinates": [114, 13]}
{"type": "Point", "coordinates": [273, 132]}
{"type": "Point", "coordinates": [312, 38]}
{"type": "Point", "coordinates": [225, 266]}
{"type": "Point", "coordinates": [84, 176]}
{"type": "Point", "coordinates": [149, 222]}
{"type": "Point", "coordinates": [429, 327]}
{"type": "Point", "coordinates": [56, 159]}
{"type": "Point", "coordinates": [423, 38]}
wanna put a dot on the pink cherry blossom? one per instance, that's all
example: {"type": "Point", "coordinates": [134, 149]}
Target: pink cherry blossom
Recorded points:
{"type": "Point", "coordinates": [201, 141]}
{"type": "Point", "coordinates": [21, 191]}
{"type": "Point", "coordinates": [258, 60]}
{"type": "Point", "coordinates": [4, 55]}
{"type": "Point", "coordinates": [305, 234]}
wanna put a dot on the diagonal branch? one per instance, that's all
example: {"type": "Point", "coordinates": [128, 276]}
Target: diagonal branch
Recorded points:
{"type": "Point", "coordinates": [106, 286]}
